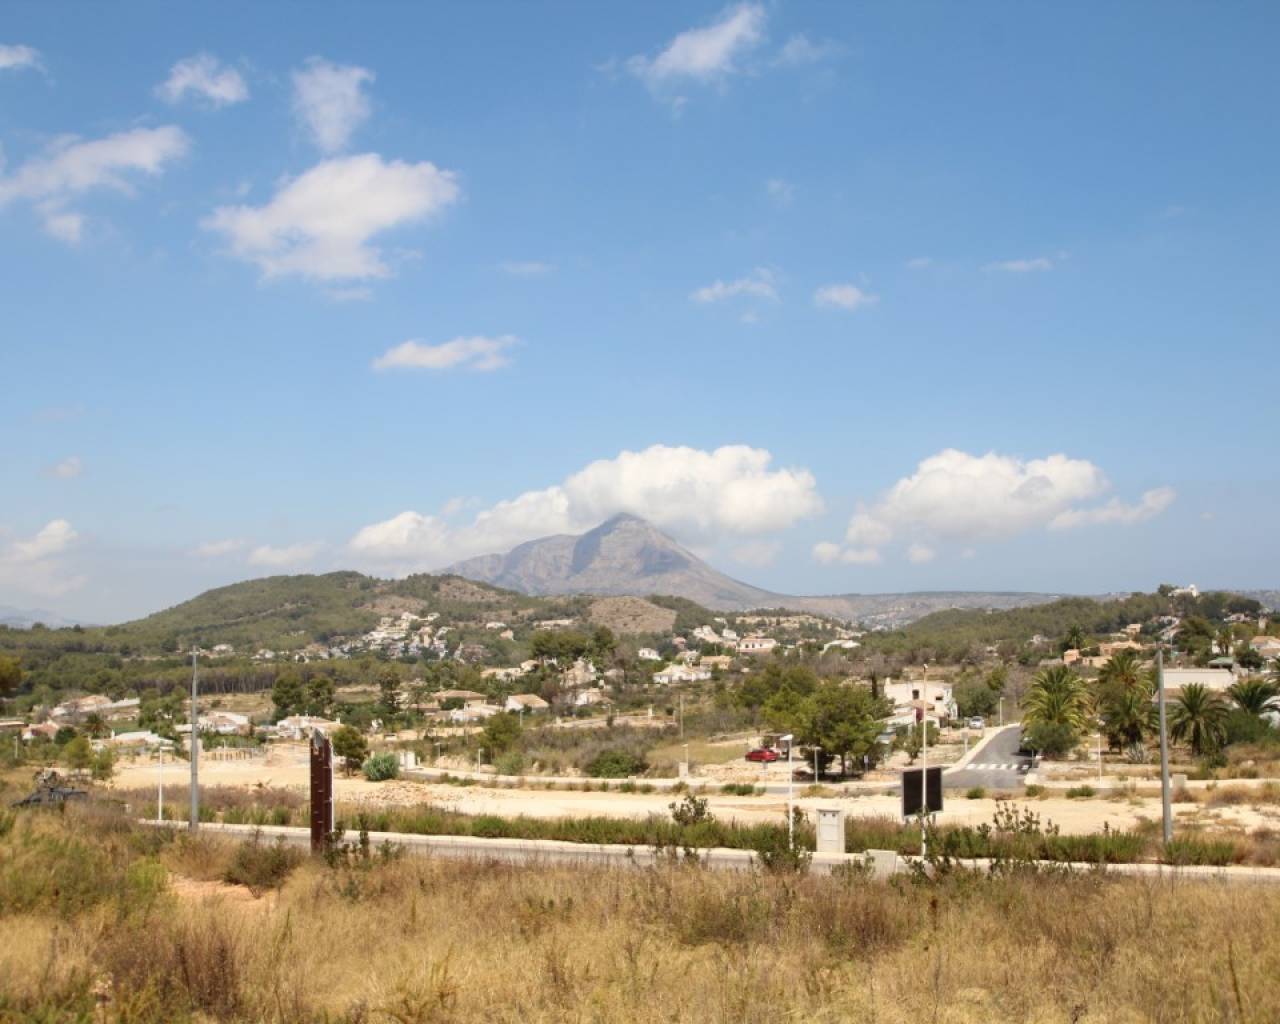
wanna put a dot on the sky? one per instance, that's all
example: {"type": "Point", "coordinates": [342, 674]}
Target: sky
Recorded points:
{"type": "Point", "coordinates": [845, 297]}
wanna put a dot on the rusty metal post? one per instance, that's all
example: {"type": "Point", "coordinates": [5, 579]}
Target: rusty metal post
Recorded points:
{"type": "Point", "coordinates": [321, 791]}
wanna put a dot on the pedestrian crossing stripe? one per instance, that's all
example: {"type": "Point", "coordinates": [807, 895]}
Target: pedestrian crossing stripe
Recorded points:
{"type": "Point", "coordinates": [999, 767]}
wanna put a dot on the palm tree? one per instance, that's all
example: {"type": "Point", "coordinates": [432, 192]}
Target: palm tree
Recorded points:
{"type": "Point", "coordinates": [1199, 716]}
{"type": "Point", "coordinates": [1256, 696]}
{"type": "Point", "coordinates": [1075, 638]}
{"type": "Point", "coordinates": [1057, 697]}
{"type": "Point", "coordinates": [1128, 716]}
{"type": "Point", "coordinates": [1123, 670]}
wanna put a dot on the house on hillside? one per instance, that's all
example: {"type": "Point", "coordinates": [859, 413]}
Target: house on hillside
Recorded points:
{"type": "Point", "coordinates": [1267, 646]}
{"type": "Point", "coordinates": [580, 673]}
{"type": "Point", "coordinates": [756, 644]}
{"type": "Point", "coordinates": [648, 654]}
{"type": "Point", "coordinates": [591, 696]}
{"type": "Point", "coordinates": [682, 674]}
{"type": "Point", "coordinates": [1218, 679]}
{"type": "Point", "coordinates": [936, 694]}
{"type": "Point", "coordinates": [519, 702]}
{"type": "Point", "coordinates": [300, 727]}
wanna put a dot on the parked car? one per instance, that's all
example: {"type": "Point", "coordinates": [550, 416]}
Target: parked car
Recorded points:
{"type": "Point", "coordinates": [763, 754]}
{"type": "Point", "coordinates": [976, 722]}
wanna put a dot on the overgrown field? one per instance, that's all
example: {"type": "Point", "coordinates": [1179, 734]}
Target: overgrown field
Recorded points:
{"type": "Point", "coordinates": [101, 921]}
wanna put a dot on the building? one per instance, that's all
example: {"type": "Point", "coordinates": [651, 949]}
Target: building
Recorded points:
{"type": "Point", "coordinates": [591, 696]}
{"type": "Point", "coordinates": [580, 673]}
{"type": "Point", "coordinates": [716, 661]}
{"type": "Point", "coordinates": [682, 674]}
{"type": "Point", "coordinates": [1210, 678]}
{"type": "Point", "coordinates": [938, 695]}
{"type": "Point", "coordinates": [1267, 646]}
{"type": "Point", "coordinates": [518, 702]}
{"type": "Point", "coordinates": [1116, 646]}
{"type": "Point", "coordinates": [648, 654]}
{"type": "Point", "coordinates": [755, 644]}
{"type": "Point", "coordinates": [300, 727]}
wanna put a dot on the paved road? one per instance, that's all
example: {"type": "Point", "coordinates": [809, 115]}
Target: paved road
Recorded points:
{"type": "Point", "coordinates": [997, 765]}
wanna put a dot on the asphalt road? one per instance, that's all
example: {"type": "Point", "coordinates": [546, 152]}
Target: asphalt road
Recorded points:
{"type": "Point", "coordinates": [997, 765]}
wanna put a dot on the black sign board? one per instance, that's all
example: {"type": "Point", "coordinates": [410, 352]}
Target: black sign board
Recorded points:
{"type": "Point", "coordinates": [321, 791]}
{"type": "Point", "coordinates": [911, 796]}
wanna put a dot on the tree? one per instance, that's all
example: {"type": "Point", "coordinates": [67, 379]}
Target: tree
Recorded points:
{"type": "Point", "coordinates": [320, 693]}
{"type": "Point", "coordinates": [95, 726]}
{"type": "Point", "coordinates": [287, 694]}
{"type": "Point", "coordinates": [1256, 696]}
{"type": "Point", "coordinates": [389, 691]}
{"type": "Point", "coordinates": [1056, 697]}
{"type": "Point", "coordinates": [77, 754]}
{"type": "Point", "coordinates": [1247, 658]}
{"type": "Point", "coordinates": [1198, 716]}
{"type": "Point", "coordinates": [500, 733]}
{"type": "Point", "coordinates": [1123, 700]}
{"type": "Point", "coordinates": [350, 745]}
{"type": "Point", "coordinates": [844, 721]}
{"type": "Point", "coordinates": [10, 674]}
{"type": "Point", "coordinates": [380, 767]}
{"type": "Point", "coordinates": [1075, 638]}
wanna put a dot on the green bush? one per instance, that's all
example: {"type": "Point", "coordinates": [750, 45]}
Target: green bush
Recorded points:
{"type": "Point", "coordinates": [1051, 739]}
{"type": "Point", "coordinates": [1081, 792]}
{"type": "Point", "coordinates": [380, 767]}
{"type": "Point", "coordinates": [1184, 850]}
{"type": "Point", "coordinates": [615, 764]}
{"type": "Point", "coordinates": [975, 793]}
{"type": "Point", "coordinates": [262, 866]}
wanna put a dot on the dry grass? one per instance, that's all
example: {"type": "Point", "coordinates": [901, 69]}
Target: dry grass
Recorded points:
{"type": "Point", "coordinates": [423, 940]}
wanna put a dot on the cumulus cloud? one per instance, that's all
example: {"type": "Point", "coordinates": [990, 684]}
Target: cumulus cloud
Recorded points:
{"type": "Point", "coordinates": [66, 469]}
{"type": "Point", "coordinates": [330, 101]}
{"type": "Point", "coordinates": [843, 296]}
{"type": "Point", "coordinates": [757, 553]}
{"type": "Point", "coordinates": [217, 548]}
{"type": "Point", "coordinates": [282, 557]}
{"type": "Point", "coordinates": [15, 57]}
{"type": "Point", "coordinates": [708, 53]}
{"type": "Point", "coordinates": [71, 167]}
{"type": "Point", "coordinates": [800, 49]}
{"type": "Point", "coordinates": [695, 493]}
{"type": "Point", "coordinates": [1150, 505]}
{"type": "Point", "coordinates": [954, 496]}
{"type": "Point", "coordinates": [34, 565]}
{"type": "Point", "coordinates": [829, 553]}
{"type": "Point", "coordinates": [461, 353]}
{"type": "Point", "coordinates": [526, 268]}
{"type": "Point", "coordinates": [758, 284]}
{"type": "Point", "coordinates": [1025, 266]}
{"type": "Point", "coordinates": [204, 77]}
{"type": "Point", "coordinates": [321, 224]}
{"type": "Point", "coordinates": [780, 191]}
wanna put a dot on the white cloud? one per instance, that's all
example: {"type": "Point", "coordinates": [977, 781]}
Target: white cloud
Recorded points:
{"type": "Point", "coordinates": [918, 554]}
{"type": "Point", "coordinates": [843, 296]}
{"type": "Point", "coordinates": [954, 496]}
{"type": "Point", "coordinates": [71, 167]}
{"type": "Point", "coordinates": [696, 493]}
{"type": "Point", "coordinates": [919, 263]}
{"type": "Point", "coordinates": [34, 565]}
{"type": "Point", "coordinates": [526, 268]}
{"type": "Point", "coordinates": [829, 553]}
{"type": "Point", "coordinates": [800, 49]}
{"type": "Point", "coordinates": [780, 191]}
{"type": "Point", "coordinates": [280, 557]}
{"type": "Point", "coordinates": [1027, 266]}
{"type": "Point", "coordinates": [15, 57]}
{"type": "Point", "coordinates": [758, 284]}
{"type": "Point", "coordinates": [203, 76]}
{"type": "Point", "coordinates": [67, 469]}
{"type": "Point", "coordinates": [217, 548]}
{"type": "Point", "coordinates": [1150, 505]}
{"type": "Point", "coordinates": [461, 353]}
{"type": "Point", "coordinates": [320, 225]}
{"type": "Point", "coordinates": [330, 101]}
{"type": "Point", "coordinates": [708, 53]}
{"type": "Point", "coordinates": [757, 553]}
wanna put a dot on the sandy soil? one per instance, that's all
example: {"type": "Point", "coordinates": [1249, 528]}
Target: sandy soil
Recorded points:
{"type": "Point", "coordinates": [286, 766]}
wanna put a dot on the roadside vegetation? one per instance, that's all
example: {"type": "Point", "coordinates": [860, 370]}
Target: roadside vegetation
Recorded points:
{"type": "Point", "coordinates": [101, 920]}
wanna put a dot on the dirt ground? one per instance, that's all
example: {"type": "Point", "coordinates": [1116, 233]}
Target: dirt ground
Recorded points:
{"type": "Point", "coordinates": [286, 767]}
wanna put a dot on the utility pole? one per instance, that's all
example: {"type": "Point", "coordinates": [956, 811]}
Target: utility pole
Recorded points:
{"type": "Point", "coordinates": [924, 763]}
{"type": "Point", "coordinates": [160, 785]}
{"type": "Point", "coordinates": [194, 824]}
{"type": "Point", "coordinates": [1165, 800]}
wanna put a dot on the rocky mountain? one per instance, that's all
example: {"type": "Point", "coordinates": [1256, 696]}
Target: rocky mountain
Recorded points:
{"type": "Point", "coordinates": [624, 556]}
{"type": "Point", "coordinates": [627, 555]}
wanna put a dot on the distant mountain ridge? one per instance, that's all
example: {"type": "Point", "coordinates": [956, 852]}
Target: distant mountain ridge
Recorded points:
{"type": "Point", "coordinates": [628, 555]}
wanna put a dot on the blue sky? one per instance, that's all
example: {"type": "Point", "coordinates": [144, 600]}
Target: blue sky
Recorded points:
{"type": "Point", "coordinates": [847, 297]}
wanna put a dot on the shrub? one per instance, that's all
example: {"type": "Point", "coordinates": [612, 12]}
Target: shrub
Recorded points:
{"type": "Point", "coordinates": [615, 763]}
{"type": "Point", "coordinates": [510, 762]}
{"type": "Point", "coordinates": [1081, 792]}
{"type": "Point", "coordinates": [739, 789]}
{"type": "Point", "coordinates": [1185, 850]}
{"type": "Point", "coordinates": [262, 866]}
{"type": "Point", "coordinates": [1052, 739]}
{"type": "Point", "coordinates": [975, 793]}
{"type": "Point", "coordinates": [380, 767]}
{"type": "Point", "coordinates": [1035, 790]}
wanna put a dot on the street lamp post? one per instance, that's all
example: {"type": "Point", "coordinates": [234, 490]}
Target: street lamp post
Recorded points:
{"type": "Point", "coordinates": [160, 786]}
{"type": "Point", "coordinates": [1002, 712]}
{"type": "Point", "coordinates": [194, 824]}
{"type": "Point", "coordinates": [789, 739]}
{"type": "Point", "coordinates": [1099, 753]}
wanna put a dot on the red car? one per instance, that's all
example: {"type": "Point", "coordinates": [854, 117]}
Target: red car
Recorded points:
{"type": "Point", "coordinates": [763, 754]}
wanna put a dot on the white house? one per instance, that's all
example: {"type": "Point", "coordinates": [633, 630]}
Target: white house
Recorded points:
{"type": "Point", "coordinates": [518, 702]}
{"type": "Point", "coordinates": [755, 644]}
{"type": "Point", "coordinates": [648, 654]}
{"type": "Point", "coordinates": [682, 674]}
{"type": "Point", "coordinates": [591, 696]}
{"type": "Point", "coordinates": [1267, 646]}
{"type": "Point", "coordinates": [300, 727]}
{"type": "Point", "coordinates": [938, 694]}
{"type": "Point", "coordinates": [1210, 678]}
